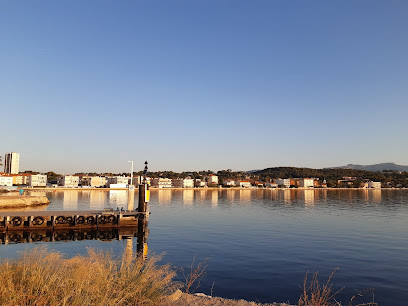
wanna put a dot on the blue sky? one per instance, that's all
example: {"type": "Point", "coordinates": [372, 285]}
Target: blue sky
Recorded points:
{"type": "Point", "coordinates": [197, 85]}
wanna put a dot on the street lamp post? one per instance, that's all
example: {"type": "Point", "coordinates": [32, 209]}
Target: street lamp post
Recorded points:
{"type": "Point", "coordinates": [131, 174]}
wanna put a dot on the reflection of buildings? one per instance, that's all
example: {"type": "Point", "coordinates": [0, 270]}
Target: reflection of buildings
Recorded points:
{"type": "Point", "coordinates": [202, 194]}
{"type": "Point", "coordinates": [245, 195]}
{"type": "Point", "coordinates": [231, 194]}
{"type": "Point", "coordinates": [70, 200]}
{"type": "Point", "coordinates": [309, 197]}
{"type": "Point", "coordinates": [164, 196]}
{"type": "Point", "coordinates": [188, 197]}
{"type": "Point", "coordinates": [286, 196]}
{"type": "Point", "coordinates": [118, 197]}
{"type": "Point", "coordinates": [376, 194]}
{"type": "Point", "coordinates": [97, 199]}
{"type": "Point", "coordinates": [214, 198]}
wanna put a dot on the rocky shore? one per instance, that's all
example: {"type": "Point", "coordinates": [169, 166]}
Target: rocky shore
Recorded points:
{"type": "Point", "coordinates": [16, 201]}
{"type": "Point", "coordinates": [180, 298]}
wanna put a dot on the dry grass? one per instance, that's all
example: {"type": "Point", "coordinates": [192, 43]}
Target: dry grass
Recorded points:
{"type": "Point", "coordinates": [194, 276]}
{"type": "Point", "coordinates": [315, 294]}
{"type": "Point", "coordinates": [41, 277]}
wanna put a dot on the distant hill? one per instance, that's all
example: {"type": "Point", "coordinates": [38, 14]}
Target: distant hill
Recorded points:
{"type": "Point", "coordinates": [375, 167]}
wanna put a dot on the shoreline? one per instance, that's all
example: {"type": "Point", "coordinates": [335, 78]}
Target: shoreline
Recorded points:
{"type": "Point", "coordinates": [194, 188]}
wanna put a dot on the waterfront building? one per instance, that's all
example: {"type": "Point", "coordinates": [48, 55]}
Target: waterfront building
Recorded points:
{"type": "Point", "coordinates": [271, 185]}
{"type": "Point", "coordinates": [162, 182]}
{"type": "Point", "coordinates": [243, 184]}
{"type": "Point", "coordinates": [211, 179]}
{"type": "Point", "coordinates": [306, 183]}
{"type": "Point", "coordinates": [118, 181]}
{"type": "Point", "coordinates": [6, 180]}
{"type": "Point", "coordinates": [11, 163]}
{"type": "Point", "coordinates": [283, 182]}
{"type": "Point", "coordinates": [200, 183]}
{"type": "Point", "coordinates": [183, 183]}
{"type": "Point", "coordinates": [93, 181]}
{"type": "Point", "coordinates": [70, 181]}
{"type": "Point", "coordinates": [37, 180]}
{"type": "Point", "coordinates": [376, 185]}
{"type": "Point", "coordinates": [229, 183]}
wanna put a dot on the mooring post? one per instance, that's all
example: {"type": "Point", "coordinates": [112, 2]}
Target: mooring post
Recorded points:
{"type": "Point", "coordinates": [144, 196]}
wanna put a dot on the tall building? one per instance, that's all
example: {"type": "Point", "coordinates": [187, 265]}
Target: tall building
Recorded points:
{"type": "Point", "coordinates": [11, 163]}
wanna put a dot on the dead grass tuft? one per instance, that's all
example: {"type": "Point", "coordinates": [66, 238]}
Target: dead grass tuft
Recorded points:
{"type": "Point", "coordinates": [41, 277]}
{"type": "Point", "coordinates": [315, 294]}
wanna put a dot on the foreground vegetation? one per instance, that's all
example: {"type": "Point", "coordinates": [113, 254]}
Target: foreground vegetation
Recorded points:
{"type": "Point", "coordinates": [40, 277]}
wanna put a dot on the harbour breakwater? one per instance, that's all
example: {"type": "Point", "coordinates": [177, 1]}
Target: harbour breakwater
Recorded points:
{"type": "Point", "coordinates": [14, 201]}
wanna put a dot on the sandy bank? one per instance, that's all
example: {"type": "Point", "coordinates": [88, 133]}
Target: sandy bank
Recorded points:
{"type": "Point", "coordinates": [8, 201]}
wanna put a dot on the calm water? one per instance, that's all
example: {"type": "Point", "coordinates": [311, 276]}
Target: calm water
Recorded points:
{"type": "Point", "coordinates": [260, 243]}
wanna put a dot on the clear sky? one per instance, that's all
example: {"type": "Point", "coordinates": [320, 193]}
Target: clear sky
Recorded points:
{"type": "Point", "coordinates": [203, 84]}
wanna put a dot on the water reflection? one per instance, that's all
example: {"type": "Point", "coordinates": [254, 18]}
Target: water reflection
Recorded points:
{"type": "Point", "coordinates": [70, 200]}
{"type": "Point", "coordinates": [65, 235]}
{"type": "Point", "coordinates": [164, 196]}
{"type": "Point", "coordinates": [188, 197]}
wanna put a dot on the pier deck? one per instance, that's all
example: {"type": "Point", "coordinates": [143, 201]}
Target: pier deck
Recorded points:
{"type": "Point", "coordinates": [92, 219]}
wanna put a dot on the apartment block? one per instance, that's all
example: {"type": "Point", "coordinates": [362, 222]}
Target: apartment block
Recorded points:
{"type": "Point", "coordinates": [37, 180]}
{"type": "Point", "coordinates": [69, 181]}
{"type": "Point", "coordinates": [94, 181]}
{"type": "Point", "coordinates": [12, 163]}
{"type": "Point", "coordinates": [183, 183]}
{"type": "Point", "coordinates": [162, 183]}
{"type": "Point", "coordinates": [376, 185]}
{"type": "Point", "coordinates": [306, 183]}
{"type": "Point", "coordinates": [6, 180]}
{"type": "Point", "coordinates": [283, 182]}
{"type": "Point", "coordinates": [211, 179]}
{"type": "Point", "coordinates": [243, 184]}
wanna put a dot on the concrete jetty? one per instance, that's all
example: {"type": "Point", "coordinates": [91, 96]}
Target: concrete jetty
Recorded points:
{"type": "Point", "coordinates": [14, 201]}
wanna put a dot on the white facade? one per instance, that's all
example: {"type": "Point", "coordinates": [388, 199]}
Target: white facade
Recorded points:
{"type": "Point", "coordinates": [243, 184]}
{"type": "Point", "coordinates": [162, 182]}
{"type": "Point", "coordinates": [12, 163]}
{"type": "Point", "coordinates": [183, 183]}
{"type": "Point", "coordinates": [211, 179]}
{"type": "Point", "coordinates": [376, 185]}
{"type": "Point", "coordinates": [200, 184]}
{"type": "Point", "coordinates": [68, 181]}
{"type": "Point", "coordinates": [6, 181]}
{"type": "Point", "coordinates": [283, 182]}
{"type": "Point", "coordinates": [118, 180]}
{"type": "Point", "coordinates": [229, 183]}
{"type": "Point", "coordinates": [306, 183]}
{"type": "Point", "coordinates": [93, 181]}
{"type": "Point", "coordinates": [271, 185]}
{"type": "Point", "coordinates": [37, 180]}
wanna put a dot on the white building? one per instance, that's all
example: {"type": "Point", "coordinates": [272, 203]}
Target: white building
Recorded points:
{"type": "Point", "coordinates": [162, 182]}
{"type": "Point", "coordinates": [94, 181]}
{"type": "Point", "coordinates": [37, 180]}
{"type": "Point", "coordinates": [229, 183]}
{"type": "Point", "coordinates": [118, 181]}
{"type": "Point", "coordinates": [12, 163]}
{"type": "Point", "coordinates": [211, 179]}
{"type": "Point", "coordinates": [283, 182]}
{"type": "Point", "coordinates": [243, 184]}
{"type": "Point", "coordinates": [306, 183]}
{"type": "Point", "coordinates": [70, 181]}
{"type": "Point", "coordinates": [183, 183]}
{"type": "Point", "coordinates": [200, 183]}
{"type": "Point", "coordinates": [271, 185]}
{"type": "Point", "coordinates": [376, 185]}
{"type": "Point", "coordinates": [6, 180]}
